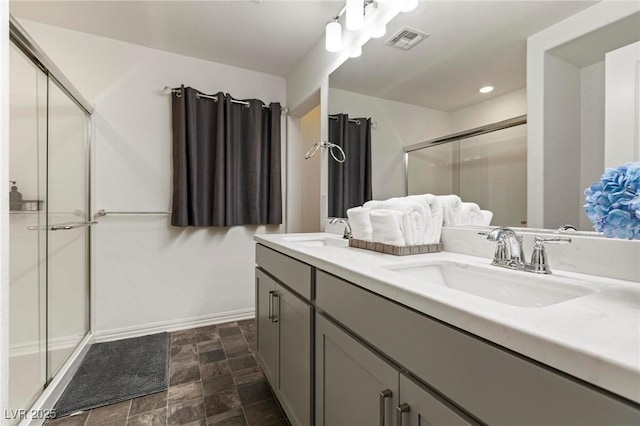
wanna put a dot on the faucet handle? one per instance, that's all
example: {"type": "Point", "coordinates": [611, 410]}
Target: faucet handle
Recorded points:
{"type": "Point", "coordinates": [539, 261]}
{"type": "Point", "coordinates": [556, 240]}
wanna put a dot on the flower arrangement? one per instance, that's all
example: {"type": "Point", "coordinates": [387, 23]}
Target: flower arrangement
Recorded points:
{"type": "Point", "coordinates": [613, 203]}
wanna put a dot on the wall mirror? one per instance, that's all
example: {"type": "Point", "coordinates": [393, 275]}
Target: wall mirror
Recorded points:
{"type": "Point", "coordinates": [430, 129]}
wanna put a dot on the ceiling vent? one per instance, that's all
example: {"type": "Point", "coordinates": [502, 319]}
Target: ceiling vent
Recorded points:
{"type": "Point", "coordinates": [406, 38]}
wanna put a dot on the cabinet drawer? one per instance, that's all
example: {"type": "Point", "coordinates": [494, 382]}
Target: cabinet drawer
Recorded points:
{"type": "Point", "coordinates": [296, 275]}
{"type": "Point", "coordinates": [490, 383]}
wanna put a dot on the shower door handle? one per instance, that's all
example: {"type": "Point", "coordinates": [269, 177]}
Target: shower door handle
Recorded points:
{"type": "Point", "coordinates": [61, 226]}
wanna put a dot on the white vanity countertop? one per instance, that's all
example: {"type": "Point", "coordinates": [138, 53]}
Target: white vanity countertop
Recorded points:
{"type": "Point", "coordinates": [594, 337]}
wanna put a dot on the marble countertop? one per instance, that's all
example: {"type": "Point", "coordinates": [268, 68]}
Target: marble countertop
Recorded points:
{"type": "Point", "coordinates": [594, 337]}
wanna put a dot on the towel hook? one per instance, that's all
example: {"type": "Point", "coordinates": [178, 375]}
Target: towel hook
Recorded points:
{"type": "Point", "coordinates": [331, 146]}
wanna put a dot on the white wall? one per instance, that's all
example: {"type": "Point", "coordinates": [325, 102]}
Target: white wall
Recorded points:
{"type": "Point", "coordinates": [503, 107]}
{"type": "Point", "coordinates": [148, 273]}
{"type": "Point", "coordinates": [398, 124]}
{"type": "Point", "coordinates": [562, 142]}
{"type": "Point", "coordinates": [592, 111]}
{"type": "Point", "coordinates": [622, 132]}
{"type": "Point", "coordinates": [304, 175]}
{"type": "Point", "coordinates": [4, 206]}
{"type": "Point", "coordinates": [578, 25]}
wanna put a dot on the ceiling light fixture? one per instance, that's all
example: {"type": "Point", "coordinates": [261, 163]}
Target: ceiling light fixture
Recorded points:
{"type": "Point", "coordinates": [486, 89]}
{"type": "Point", "coordinates": [356, 11]}
{"type": "Point", "coordinates": [357, 52]}
{"type": "Point", "coordinates": [355, 14]}
{"type": "Point", "coordinates": [408, 5]}
{"type": "Point", "coordinates": [333, 36]}
{"type": "Point", "coordinates": [379, 31]}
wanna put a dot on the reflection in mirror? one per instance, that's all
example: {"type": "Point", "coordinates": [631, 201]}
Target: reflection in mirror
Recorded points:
{"type": "Point", "coordinates": [431, 91]}
{"type": "Point", "coordinates": [349, 179]}
{"type": "Point", "coordinates": [489, 170]}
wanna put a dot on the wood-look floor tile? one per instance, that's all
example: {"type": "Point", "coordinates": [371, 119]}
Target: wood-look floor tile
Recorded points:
{"type": "Point", "coordinates": [185, 412]}
{"type": "Point", "coordinates": [108, 413]}
{"type": "Point", "coordinates": [221, 402]}
{"type": "Point", "coordinates": [148, 403]}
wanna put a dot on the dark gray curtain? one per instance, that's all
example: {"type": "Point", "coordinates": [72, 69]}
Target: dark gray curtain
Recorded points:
{"type": "Point", "coordinates": [349, 182]}
{"type": "Point", "coordinates": [226, 161]}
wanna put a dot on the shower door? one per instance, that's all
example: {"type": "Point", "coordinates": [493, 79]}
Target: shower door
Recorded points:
{"type": "Point", "coordinates": [49, 228]}
{"type": "Point", "coordinates": [68, 227]}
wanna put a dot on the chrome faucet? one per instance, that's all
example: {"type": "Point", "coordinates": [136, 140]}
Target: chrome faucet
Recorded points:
{"type": "Point", "coordinates": [509, 252]}
{"type": "Point", "coordinates": [347, 228]}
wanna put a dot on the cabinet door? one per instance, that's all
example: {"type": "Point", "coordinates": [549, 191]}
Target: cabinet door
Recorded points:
{"type": "Point", "coordinates": [421, 407]}
{"type": "Point", "coordinates": [294, 363]}
{"type": "Point", "coordinates": [354, 387]}
{"type": "Point", "coordinates": [266, 328]}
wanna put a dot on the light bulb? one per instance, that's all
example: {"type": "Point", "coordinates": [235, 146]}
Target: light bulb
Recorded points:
{"type": "Point", "coordinates": [355, 14]}
{"type": "Point", "coordinates": [356, 52]}
{"type": "Point", "coordinates": [379, 31]}
{"type": "Point", "coordinates": [333, 36]}
{"type": "Point", "coordinates": [408, 5]}
{"type": "Point", "coordinates": [486, 89]}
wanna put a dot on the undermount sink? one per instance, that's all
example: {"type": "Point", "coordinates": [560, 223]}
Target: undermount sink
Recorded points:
{"type": "Point", "coordinates": [516, 288]}
{"type": "Point", "coordinates": [319, 241]}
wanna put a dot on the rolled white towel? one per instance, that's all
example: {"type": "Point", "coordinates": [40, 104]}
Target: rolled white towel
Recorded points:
{"type": "Point", "coordinates": [487, 215]}
{"type": "Point", "coordinates": [451, 205]}
{"type": "Point", "coordinates": [470, 214]}
{"type": "Point", "coordinates": [415, 222]}
{"type": "Point", "coordinates": [360, 221]}
{"type": "Point", "coordinates": [387, 227]}
{"type": "Point", "coordinates": [433, 230]}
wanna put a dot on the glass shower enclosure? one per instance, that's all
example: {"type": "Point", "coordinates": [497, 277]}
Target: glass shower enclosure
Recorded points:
{"type": "Point", "coordinates": [49, 221]}
{"type": "Point", "coordinates": [487, 166]}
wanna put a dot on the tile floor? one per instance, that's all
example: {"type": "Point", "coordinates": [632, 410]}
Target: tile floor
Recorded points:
{"type": "Point", "coordinates": [214, 380]}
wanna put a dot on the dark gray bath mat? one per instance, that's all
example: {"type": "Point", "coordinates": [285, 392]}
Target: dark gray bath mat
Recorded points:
{"type": "Point", "coordinates": [117, 371]}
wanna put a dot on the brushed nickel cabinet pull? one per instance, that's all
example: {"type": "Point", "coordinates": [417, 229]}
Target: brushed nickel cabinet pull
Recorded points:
{"type": "Point", "coordinates": [401, 409]}
{"type": "Point", "coordinates": [271, 293]}
{"type": "Point", "coordinates": [383, 396]}
{"type": "Point", "coordinates": [275, 317]}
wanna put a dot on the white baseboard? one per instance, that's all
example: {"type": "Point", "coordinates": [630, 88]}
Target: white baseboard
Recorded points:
{"type": "Point", "coordinates": [54, 390]}
{"type": "Point", "coordinates": [33, 347]}
{"type": "Point", "coordinates": [173, 325]}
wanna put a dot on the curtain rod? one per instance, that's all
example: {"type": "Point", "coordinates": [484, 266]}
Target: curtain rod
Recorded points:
{"type": "Point", "coordinates": [168, 90]}
{"type": "Point", "coordinates": [374, 124]}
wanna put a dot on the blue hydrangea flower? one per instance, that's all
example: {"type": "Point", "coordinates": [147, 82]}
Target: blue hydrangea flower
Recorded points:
{"type": "Point", "coordinates": [613, 203]}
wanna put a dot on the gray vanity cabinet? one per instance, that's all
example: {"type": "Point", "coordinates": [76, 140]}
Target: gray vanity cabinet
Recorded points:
{"type": "Point", "coordinates": [284, 320]}
{"type": "Point", "coordinates": [266, 329]}
{"type": "Point", "coordinates": [354, 387]}
{"type": "Point", "coordinates": [419, 406]}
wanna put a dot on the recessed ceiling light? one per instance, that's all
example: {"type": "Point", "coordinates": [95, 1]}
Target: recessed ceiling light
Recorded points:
{"type": "Point", "coordinates": [486, 89]}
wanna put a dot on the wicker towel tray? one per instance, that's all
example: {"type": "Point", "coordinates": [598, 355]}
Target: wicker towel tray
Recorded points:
{"type": "Point", "coordinates": [395, 250]}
